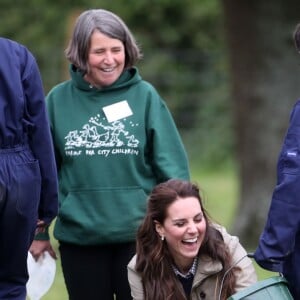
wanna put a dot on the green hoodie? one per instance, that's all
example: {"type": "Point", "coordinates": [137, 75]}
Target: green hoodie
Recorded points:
{"type": "Point", "coordinates": [112, 146]}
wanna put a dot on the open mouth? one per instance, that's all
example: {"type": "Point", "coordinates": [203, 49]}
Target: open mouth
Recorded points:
{"type": "Point", "coordinates": [107, 70]}
{"type": "Point", "coordinates": [190, 241]}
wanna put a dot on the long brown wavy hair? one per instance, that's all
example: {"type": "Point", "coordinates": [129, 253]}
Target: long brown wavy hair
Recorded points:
{"type": "Point", "coordinates": [153, 257]}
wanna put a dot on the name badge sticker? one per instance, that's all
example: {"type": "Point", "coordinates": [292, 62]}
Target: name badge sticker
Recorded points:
{"type": "Point", "coordinates": [117, 111]}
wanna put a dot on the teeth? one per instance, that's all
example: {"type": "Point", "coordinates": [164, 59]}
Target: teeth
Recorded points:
{"type": "Point", "coordinates": [191, 240]}
{"type": "Point", "coordinates": [108, 70]}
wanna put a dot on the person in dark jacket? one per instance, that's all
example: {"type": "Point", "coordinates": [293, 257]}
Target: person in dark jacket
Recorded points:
{"type": "Point", "coordinates": [279, 244]}
{"type": "Point", "coordinates": [28, 176]}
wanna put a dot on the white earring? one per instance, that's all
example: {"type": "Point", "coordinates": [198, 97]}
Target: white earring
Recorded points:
{"type": "Point", "coordinates": [162, 237]}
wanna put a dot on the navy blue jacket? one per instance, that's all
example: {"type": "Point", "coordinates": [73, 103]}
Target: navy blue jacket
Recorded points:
{"type": "Point", "coordinates": [23, 117]}
{"type": "Point", "coordinates": [279, 244]}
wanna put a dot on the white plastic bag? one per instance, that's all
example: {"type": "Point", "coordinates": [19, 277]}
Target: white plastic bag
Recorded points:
{"type": "Point", "coordinates": [41, 275]}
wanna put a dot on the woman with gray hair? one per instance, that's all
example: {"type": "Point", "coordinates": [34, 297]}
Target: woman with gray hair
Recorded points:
{"type": "Point", "coordinates": [114, 139]}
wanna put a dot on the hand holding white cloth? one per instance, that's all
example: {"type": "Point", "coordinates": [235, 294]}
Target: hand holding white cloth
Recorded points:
{"type": "Point", "coordinates": [41, 275]}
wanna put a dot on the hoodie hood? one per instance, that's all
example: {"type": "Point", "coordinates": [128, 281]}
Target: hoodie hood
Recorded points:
{"type": "Point", "coordinates": [128, 77]}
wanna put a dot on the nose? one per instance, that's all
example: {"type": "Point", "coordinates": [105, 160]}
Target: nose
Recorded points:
{"type": "Point", "coordinates": [192, 228]}
{"type": "Point", "coordinates": [108, 57]}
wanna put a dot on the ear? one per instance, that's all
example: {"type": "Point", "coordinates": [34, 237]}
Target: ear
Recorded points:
{"type": "Point", "coordinates": [159, 228]}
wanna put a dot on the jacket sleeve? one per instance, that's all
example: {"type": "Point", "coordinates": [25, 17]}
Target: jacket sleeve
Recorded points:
{"type": "Point", "coordinates": [135, 281]}
{"type": "Point", "coordinates": [246, 276]}
{"type": "Point", "coordinates": [278, 237]}
{"type": "Point", "coordinates": [51, 116]}
{"type": "Point", "coordinates": [40, 139]}
{"type": "Point", "coordinates": [169, 158]}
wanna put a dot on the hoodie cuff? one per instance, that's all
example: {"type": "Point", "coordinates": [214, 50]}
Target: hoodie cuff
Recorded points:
{"type": "Point", "coordinates": [42, 233]}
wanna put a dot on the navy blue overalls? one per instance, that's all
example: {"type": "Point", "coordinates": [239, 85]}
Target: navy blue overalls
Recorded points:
{"type": "Point", "coordinates": [28, 177]}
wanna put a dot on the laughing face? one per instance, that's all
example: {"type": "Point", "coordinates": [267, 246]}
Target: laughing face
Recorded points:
{"type": "Point", "coordinates": [184, 230]}
{"type": "Point", "coordinates": [106, 60]}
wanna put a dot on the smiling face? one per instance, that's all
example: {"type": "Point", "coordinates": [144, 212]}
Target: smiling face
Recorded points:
{"type": "Point", "coordinates": [106, 60]}
{"type": "Point", "coordinates": [184, 230]}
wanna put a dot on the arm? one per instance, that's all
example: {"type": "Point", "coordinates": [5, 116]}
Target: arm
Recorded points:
{"type": "Point", "coordinates": [135, 282]}
{"type": "Point", "coordinates": [168, 153]}
{"type": "Point", "coordinates": [278, 237]}
{"type": "Point", "coordinates": [40, 140]}
{"type": "Point", "coordinates": [41, 243]}
{"type": "Point", "coordinates": [36, 124]}
{"type": "Point", "coordinates": [51, 115]}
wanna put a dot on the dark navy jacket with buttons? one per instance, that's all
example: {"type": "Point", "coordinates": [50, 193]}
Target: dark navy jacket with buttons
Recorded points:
{"type": "Point", "coordinates": [23, 118]}
{"type": "Point", "coordinates": [279, 244]}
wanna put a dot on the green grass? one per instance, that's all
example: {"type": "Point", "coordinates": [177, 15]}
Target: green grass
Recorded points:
{"type": "Point", "coordinates": [220, 193]}
{"type": "Point", "coordinates": [58, 289]}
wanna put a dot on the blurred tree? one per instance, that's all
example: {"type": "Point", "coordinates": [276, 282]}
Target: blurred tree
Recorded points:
{"type": "Point", "coordinates": [183, 57]}
{"type": "Point", "coordinates": [40, 25]}
{"type": "Point", "coordinates": [265, 83]}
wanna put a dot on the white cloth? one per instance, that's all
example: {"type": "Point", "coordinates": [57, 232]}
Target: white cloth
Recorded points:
{"type": "Point", "coordinates": [41, 275]}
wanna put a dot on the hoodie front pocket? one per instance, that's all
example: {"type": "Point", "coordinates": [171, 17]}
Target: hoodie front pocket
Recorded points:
{"type": "Point", "coordinates": [104, 214]}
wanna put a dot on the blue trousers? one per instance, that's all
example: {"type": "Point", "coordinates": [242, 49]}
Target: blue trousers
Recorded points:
{"type": "Point", "coordinates": [20, 184]}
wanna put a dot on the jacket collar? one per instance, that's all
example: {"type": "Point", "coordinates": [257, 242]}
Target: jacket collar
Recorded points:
{"type": "Point", "coordinates": [206, 267]}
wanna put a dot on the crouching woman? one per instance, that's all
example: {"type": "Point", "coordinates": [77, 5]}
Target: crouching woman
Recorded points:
{"type": "Point", "coordinates": [181, 254]}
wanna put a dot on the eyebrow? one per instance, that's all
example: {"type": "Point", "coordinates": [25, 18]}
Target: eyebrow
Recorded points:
{"type": "Point", "coordinates": [183, 219]}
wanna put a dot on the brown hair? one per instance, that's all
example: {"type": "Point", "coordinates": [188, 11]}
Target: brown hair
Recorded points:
{"type": "Point", "coordinates": [153, 258]}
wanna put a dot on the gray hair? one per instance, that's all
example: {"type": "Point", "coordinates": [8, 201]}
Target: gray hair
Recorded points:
{"type": "Point", "coordinates": [107, 23]}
